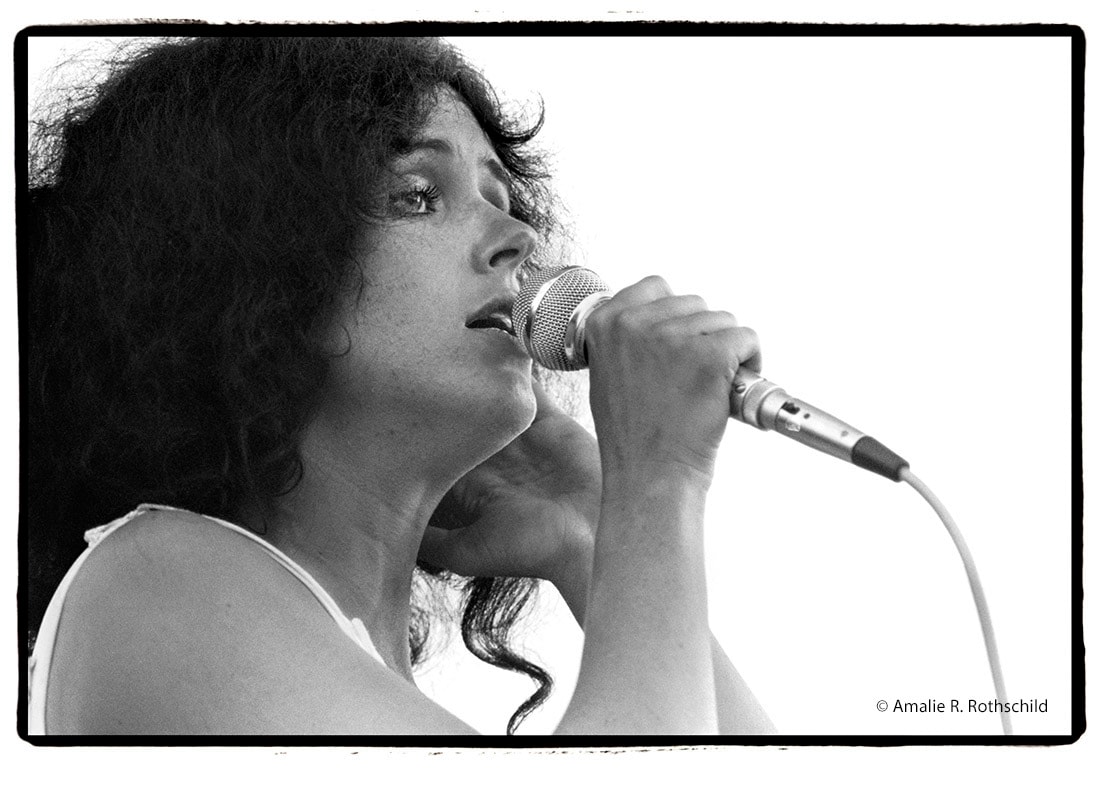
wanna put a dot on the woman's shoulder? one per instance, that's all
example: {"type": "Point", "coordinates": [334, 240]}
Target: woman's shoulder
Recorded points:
{"type": "Point", "coordinates": [157, 606]}
{"type": "Point", "coordinates": [156, 551]}
{"type": "Point", "coordinates": [178, 624]}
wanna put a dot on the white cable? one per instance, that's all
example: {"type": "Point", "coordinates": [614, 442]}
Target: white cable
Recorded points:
{"type": "Point", "coordinates": [975, 588]}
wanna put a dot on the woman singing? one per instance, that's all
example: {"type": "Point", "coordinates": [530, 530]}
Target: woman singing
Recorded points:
{"type": "Point", "coordinates": [268, 284]}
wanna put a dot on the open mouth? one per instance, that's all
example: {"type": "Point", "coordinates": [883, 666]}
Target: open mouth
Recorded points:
{"type": "Point", "coordinates": [497, 314]}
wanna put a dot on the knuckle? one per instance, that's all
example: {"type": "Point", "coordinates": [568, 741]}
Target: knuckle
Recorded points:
{"type": "Point", "coordinates": [631, 321]}
{"type": "Point", "coordinates": [657, 285]}
{"type": "Point", "coordinates": [728, 318]}
{"type": "Point", "coordinates": [695, 303]}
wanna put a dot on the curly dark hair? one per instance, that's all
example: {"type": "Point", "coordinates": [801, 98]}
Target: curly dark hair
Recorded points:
{"type": "Point", "coordinates": [191, 222]}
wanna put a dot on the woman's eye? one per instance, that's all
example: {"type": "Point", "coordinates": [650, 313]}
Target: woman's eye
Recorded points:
{"type": "Point", "coordinates": [417, 200]}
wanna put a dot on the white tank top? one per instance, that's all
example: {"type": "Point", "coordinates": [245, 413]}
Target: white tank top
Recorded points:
{"type": "Point", "coordinates": [41, 658]}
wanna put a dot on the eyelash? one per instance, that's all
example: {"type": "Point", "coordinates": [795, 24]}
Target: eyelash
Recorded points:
{"type": "Point", "coordinates": [427, 193]}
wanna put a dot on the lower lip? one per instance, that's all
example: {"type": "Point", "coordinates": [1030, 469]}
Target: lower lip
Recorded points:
{"type": "Point", "coordinates": [514, 344]}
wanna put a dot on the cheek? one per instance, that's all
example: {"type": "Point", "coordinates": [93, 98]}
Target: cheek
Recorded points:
{"type": "Point", "coordinates": [391, 304]}
{"type": "Point", "coordinates": [396, 336]}
{"type": "Point", "coordinates": [402, 291]}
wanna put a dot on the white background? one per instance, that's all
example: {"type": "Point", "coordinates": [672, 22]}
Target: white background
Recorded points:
{"type": "Point", "coordinates": [892, 216]}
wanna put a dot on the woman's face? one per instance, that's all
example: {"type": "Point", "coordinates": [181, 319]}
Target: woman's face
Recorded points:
{"type": "Point", "coordinates": [425, 352]}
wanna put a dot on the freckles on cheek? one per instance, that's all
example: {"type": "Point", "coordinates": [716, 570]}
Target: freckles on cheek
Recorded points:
{"type": "Point", "coordinates": [383, 304]}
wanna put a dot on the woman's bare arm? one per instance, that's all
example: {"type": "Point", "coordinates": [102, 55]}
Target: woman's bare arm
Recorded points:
{"type": "Point", "coordinates": [738, 710]}
{"type": "Point", "coordinates": [646, 665]}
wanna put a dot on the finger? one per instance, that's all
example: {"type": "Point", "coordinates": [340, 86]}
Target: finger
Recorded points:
{"type": "Point", "coordinates": [641, 317]}
{"type": "Point", "coordinates": [742, 342]}
{"type": "Point", "coordinates": [642, 292]}
{"type": "Point", "coordinates": [665, 308]}
{"type": "Point", "coordinates": [706, 322]}
{"type": "Point", "coordinates": [448, 549]}
{"type": "Point", "coordinates": [744, 346]}
{"type": "Point", "coordinates": [736, 346]}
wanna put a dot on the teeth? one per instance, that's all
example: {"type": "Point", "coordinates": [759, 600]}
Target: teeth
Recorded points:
{"type": "Point", "coordinates": [494, 321]}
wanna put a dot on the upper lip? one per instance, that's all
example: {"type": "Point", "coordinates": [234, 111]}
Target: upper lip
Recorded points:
{"type": "Point", "coordinates": [496, 313]}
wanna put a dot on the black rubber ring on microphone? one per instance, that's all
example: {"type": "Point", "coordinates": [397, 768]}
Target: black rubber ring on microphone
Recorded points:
{"type": "Point", "coordinates": [870, 454]}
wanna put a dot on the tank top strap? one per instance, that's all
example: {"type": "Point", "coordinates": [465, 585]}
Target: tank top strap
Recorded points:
{"type": "Point", "coordinates": [38, 665]}
{"type": "Point", "coordinates": [352, 627]}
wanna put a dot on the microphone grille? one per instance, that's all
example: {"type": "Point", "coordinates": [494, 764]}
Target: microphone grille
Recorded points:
{"type": "Point", "coordinates": [544, 307]}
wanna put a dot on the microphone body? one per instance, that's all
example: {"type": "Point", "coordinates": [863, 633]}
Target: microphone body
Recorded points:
{"type": "Point", "coordinates": [549, 316]}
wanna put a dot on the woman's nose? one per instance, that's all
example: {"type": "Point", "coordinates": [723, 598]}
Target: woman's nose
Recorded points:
{"type": "Point", "coordinates": [512, 243]}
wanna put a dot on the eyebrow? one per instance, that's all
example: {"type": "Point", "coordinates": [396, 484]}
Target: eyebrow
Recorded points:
{"type": "Point", "coordinates": [444, 147]}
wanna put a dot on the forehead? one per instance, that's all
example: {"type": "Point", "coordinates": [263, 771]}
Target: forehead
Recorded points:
{"type": "Point", "coordinates": [452, 134]}
{"type": "Point", "coordinates": [450, 120]}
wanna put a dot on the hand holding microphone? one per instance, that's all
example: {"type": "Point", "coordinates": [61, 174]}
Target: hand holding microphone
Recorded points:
{"type": "Point", "coordinates": [662, 367]}
{"type": "Point", "coordinates": [556, 307]}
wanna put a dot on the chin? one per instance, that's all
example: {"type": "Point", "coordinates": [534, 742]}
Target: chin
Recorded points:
{"type": "Point", "coordinates": [519, 409]}
{"type": "Point", "coordinates": [509, 413]}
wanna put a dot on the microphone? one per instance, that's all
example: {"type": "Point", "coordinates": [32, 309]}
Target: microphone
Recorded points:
{"type": "Point", "coordinates": [549, 316]}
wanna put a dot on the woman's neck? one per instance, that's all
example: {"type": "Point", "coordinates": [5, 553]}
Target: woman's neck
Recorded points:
{"type": "Point", "coordinates": [355, 522]}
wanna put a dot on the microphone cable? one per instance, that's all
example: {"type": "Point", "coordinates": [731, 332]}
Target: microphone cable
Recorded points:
{"type": "Point", "coordinates": [549, 316]}
{"type": "Point", "coordinates": [975, 588]}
